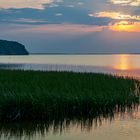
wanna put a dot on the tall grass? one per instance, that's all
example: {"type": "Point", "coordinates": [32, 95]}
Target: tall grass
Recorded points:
{"type": "Point", "coordinates": [36, 95]}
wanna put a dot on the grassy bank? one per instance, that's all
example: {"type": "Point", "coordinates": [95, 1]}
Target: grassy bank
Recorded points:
{"type": "Point", "coordinates": [30, 95]}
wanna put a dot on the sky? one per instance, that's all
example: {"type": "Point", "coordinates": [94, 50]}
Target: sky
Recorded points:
{"type": "Point", "coordinates": [72, 26]}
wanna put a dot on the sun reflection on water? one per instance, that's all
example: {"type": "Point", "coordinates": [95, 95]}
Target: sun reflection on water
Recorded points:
{"type": "Point", "coordinates": [122, 63]}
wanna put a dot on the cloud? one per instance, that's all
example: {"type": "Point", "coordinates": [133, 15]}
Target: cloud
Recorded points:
{"type": "Point", "coordinates": [76, 29]}
{"type": "Point", "coordinates": [98, 26]}
{"type": "Point", "coordinates": [116, 15]}
{"type": "Point", "coordinates": [69, 29]}
{"type": "Point", "coordinates": [58, 14]}
{"type": "Point", "coordinates": [124, 26]}
{"type": "Point", "coordinates": [51, 15]}
{"type": "Point", "coordinates": [37, 4]}
{"type": "Point", "coordinates": [126, 2]}
{"type": "Point", "coordinates": [72, 38]}
{"type": "Point", "coordinates": [29, 21]}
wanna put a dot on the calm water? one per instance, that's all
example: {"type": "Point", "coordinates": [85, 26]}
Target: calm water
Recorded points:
{"type": "Point", "coordinates": [120, 64]}
{"type": "Point", "coordinates": [125, 126]}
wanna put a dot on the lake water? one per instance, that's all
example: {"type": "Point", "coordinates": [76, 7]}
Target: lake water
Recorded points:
{"type": "Point", "coordinates": [125, 126]}
{"type": "Point", "coordinates": [120, 64]}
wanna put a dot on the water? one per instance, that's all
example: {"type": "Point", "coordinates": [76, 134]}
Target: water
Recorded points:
{"type": "Point", "coordinates": [121, 126]}
{"type": "Point", "coordinates": [120, 64]}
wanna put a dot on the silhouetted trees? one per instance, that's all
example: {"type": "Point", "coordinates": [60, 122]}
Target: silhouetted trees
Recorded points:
{"type": "Point", "coordinates": [12, 48]}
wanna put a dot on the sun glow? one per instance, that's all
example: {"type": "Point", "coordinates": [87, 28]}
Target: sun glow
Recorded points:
{"type": "Point", "coordinates": [125, 26]}
{"type": "Point", "coordinates": [126, 2]}
{"type": "Point", "coordinates": [116, 15]}
{"type": "Point", "coordinates": [122, 63]}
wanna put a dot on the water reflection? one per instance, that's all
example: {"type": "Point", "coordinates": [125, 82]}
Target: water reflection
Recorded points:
{"type": "Point", "coordinates": [42, 130]}
{"type": "Point", "coordinates": [115, 64]}
{"type": "Point", "coordinates": [122, 63]}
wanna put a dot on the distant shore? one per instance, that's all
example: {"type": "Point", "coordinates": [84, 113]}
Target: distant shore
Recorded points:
{"type": "Point", "coordinates": [84, 54]}
{"type": "Point", "coordinates": [12, 48]}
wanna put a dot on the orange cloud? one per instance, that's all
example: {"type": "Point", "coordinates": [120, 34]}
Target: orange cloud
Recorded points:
{"type": "Point", "coordinates": [115, 15]}
{"type": "Point", "coordinates": [125, 26]}
{"type": "Point", "coordinates": [126, 2]}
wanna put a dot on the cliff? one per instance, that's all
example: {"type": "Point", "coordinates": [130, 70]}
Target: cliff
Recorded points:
{"type": "Point", "coordinates": [12, 48]}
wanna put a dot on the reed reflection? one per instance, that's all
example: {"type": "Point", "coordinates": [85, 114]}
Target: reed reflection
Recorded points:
{"type": "Point", "coordinates": [33, 130]}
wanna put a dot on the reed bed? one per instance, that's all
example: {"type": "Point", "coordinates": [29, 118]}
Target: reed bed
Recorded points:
{"type": "Point", "coordinates": [37, 95]}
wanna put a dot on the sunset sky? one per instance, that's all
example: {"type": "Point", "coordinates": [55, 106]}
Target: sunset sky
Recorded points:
{"type": "Point", "coordinates": [72, 26]}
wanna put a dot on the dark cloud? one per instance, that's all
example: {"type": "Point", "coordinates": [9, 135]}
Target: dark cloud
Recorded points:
{"type": "Point", "coordinates": [75, 12]}
{"type": "Point", "coordinates": [73, 15]}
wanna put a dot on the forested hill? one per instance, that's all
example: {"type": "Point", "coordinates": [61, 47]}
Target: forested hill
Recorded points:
{"type": "Point", "coordinates": [12, 48]}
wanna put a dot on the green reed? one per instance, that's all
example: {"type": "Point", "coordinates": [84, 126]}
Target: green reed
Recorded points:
{"type": "Point", "coordinates": [37, 95]}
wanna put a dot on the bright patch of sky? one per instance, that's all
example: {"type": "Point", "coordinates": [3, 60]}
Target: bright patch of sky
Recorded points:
{"type": "Point", "coordinates": [127, 2]}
